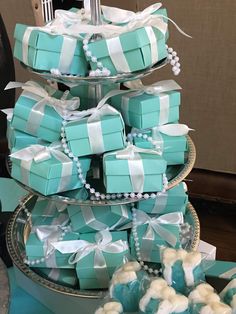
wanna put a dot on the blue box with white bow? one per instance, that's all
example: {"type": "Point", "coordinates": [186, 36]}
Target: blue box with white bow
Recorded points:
{"type": "Point", "coordinates": [172, 200]}
{"type": "Point", "coordinates": [146, 110]}
{"type": "Point", "coordinates": [96, 135]}
{"type": "Point", "coordinates": [156, 233]}
{"type": "Point", "coordinates": [44, 51]}
{"type": "Point", "coordinates": [39, 111]}
{"type": "Point", "coordinates": [47, 208]}
{"type": "Point", "coordinates": [173, 148]}
{"type": "Point", "coordinates": [66, 277]}
{"type": "Point", "coordinates": [39, 249]}
{"type": "Point", "coordinates": [129, 170]}
{"type": "Point", "coordinates": [85, 219]}
{"type": "Point", "coordinates": [56, 174]}
{"type": "Point", "coordinates": [112, 247]}
{"type": "Point", "coordinates": [130, 51]}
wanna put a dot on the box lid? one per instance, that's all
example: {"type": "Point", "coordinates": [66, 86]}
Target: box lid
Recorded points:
{"type": "Point", "coordinates": [78, 129]}
{"type": "Point", "coordinates": [152, 164]}
{"type": "Point", "coordinates": [44, 41]}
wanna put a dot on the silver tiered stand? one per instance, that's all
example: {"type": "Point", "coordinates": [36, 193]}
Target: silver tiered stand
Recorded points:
{"type": "Point", "coordinates": [58, 298]}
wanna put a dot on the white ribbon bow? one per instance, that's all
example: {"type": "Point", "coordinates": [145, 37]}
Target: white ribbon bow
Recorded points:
{"type": "Point", "coordinates": [8, 112]}
{"type": "Point", "coordinates": [131, 152]}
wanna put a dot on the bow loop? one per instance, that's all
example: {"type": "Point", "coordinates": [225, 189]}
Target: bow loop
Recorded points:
{"type": "Point", "coordinates": [175, 129]}
{"type": "Point", "coordinates": [132, 152]}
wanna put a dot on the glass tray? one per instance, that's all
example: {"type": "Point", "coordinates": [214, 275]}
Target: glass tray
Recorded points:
{"type": "Point", "coordinates": [175, 175]}
{"type": "Point", "coordinates": [18, 231]}
{"type": "Point", "coordinates": [119, 78]}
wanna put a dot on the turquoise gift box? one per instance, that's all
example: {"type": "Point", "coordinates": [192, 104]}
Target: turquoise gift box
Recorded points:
{"type": "Point", "coordinates": [157, 244]}
{"type": "Point", "coordinates": [222, 270]}
{"type": "Point", "coordinates": [48, 177]}
{"type": "Point", "coordinates": [79, 142]}
{"type": "Point", "coordinates": [135, 48]}
{"type": "Point", "coordinates": [44, 51]}
{"type": "Point", "coordinates": [65, 277]}
{"type": "Point", "coordinates": [143, 111]}
{"type": "Point", "coordinates": [117, 178]}
{"type": "Point", "coordinates": [88, 96]}
{"type": "Point", "coordinates": [85, 219]}
{"type": "Point", "coordinates": [37, 249]}
{"type": "Point", "coordinates": [85, 269]}
{"type": "Point", "coordinates": [49, 128]}
{"type": "Point", "coordinates": [47, 208]}
{"type": "Point", "coordinates": [173, 200]}
{"type": "Point", "coordinates": [173, 147]}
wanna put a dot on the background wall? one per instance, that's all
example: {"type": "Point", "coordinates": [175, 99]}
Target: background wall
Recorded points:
{"type": "Point", "coordinates": [208, 70]}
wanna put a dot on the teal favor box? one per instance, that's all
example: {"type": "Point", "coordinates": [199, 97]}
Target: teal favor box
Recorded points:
{"type": "Point", "coordinates": [44, 51]}
{"type": "Point", "coordinates": [65, 277]}
{"type": "Point", "coordinates": [173, 147]}
{"type": "Point", "coordinates": [49, 128]}
{"type": "Point", "coordinates": [157, 245]}
{"type": "Point", "coordinates": [36, 250]}
{"type": "Point", "coordinates": [47, 208]}
{"type": "Point", "coordinates": [117, 178]}
{"type": "Point", "coordinates": [48, 177]}
{"type": "Point", "coordinates": [85, 267]}
{"type": "Point", "coordinates": [79, 142]}
{"type": "Point", "coordinates": [173, 200]}
{"type": "Point", "coordinates": [221, 270]}
{"type": "Point", "coordinates": [87, 94]}
{"type": "Point", "coordinates": [85, 219]}
{"type": "Point", "coordinates": [146, 110]}
{"type": "Point", "coordinates": [136, 49]}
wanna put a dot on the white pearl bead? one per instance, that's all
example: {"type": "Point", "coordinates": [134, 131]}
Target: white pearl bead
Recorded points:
{"type": "Point", "coordinates": [99, 65]}
{"type": "Point", "coordinates": [85, 47]}
{"type": "Point", "coordinates": [176, 58]}
{"type": "Point", "coordinates": [149, 139]}
{"type": "Point", "coordinates": [103, 196]}
{"type": "Point", "coordinates": [145, 136]}
{"type": "Point", "coordinates": [97, 194]}
{"type": "Point", "coordinates": [140, 135]}
{"type": "Point", "coordinates": [170, 49]}
{"type": "Point", "coordinates": [141, 263]}
{"type": "Point", "coordinates": [146, 196]}
{"type": "Point", "coordinates": [83, 181]}
{"type": "Point", "coordinates": [153, 195]}
{"type": "Point", "coordinates": [156, 271]}
{"type": "Point", "coordinates": [88, 53]}
{"type": "Point", "coordinates": [126, 195]}
{"type": "Point", "coordinates": [150, 270]}
{"type": "Point", "coordinates": [177, 72]}
{"type": "Point", "coordinates": [85, 41]}
{"type": "Point", "coordinates": [71, 155]}
{"type": "Point", "coordinates": [87, 186]}
{"type": "Point", "coordinates": [32, 262]}
{"type": "Point", "coordinates": [67, 151]}
{"type": "Point", "coordinates": [172, 62]}
{"type": "Point", "coordinates": [175, 68]}
{"type": "Point", "coordinates": [94, 59]}
{"type": "Point", "coordinates": [81, 176]}
{"type": "Point", "coordinates": [92, 73]}
{"type": "Point", "coordinates": [64, 145]}
{"type": "Point", "coordinates": [64, 122]}
{"type": "Point", "coordinates": [177, 65]}
{"type": "Point", "coordinates": [169, 57]}
{"type": "Point", "coordinates": [132, 195]}
{"type": "Point", "coordinates": [139, 195]}
{"type": "Point", "coordinates": [42, 260]}
{"type": "Point", "coordinates": [108, 197]}
{"type": "Point", "coordinates": [145, 267]}
{"type": "Point", "coordinates": [119, 195]}
{"type": "Point", "coordinates": [92, 190]}
{"type": "Point", "coordinates": [174, 53]}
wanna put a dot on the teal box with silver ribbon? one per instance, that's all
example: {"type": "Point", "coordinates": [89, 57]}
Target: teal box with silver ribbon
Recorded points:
{"type": "Point", "coordinates": [172, 200]}
{"type": "Point", "coordinates": [173, 146]}
{"type": "Point", "coordinates": [40, 110]}
{"type": "Point", "coordinates": [46, 231]}
{"type": "Point", "coordinates": [102, 131]}
{"type": "Point", "coordinates": [85, 219]}
{"type": "Point", "coordinates": [42, 50]}
{"type": "Point", "coordinates": [222, 270]}
{"type": "Point", "coordinates": [148, 106]}
{"type": "Point", "coordinates": [129, 52]}
{"type": "Point", "coordinates": [96, 256]}
{"type": "Point", "coordinates": [133, 170]}
{"type": "Point", "coordinates": [156, 233]}
{"type": "Point", "coordinates": [47, 208]}
{"type": "Point", "coordinates": [47, 169]}
{"type": "Point", "coordinates": [65, 277]}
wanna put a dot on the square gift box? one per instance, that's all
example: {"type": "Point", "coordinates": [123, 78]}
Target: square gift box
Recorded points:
{"type": "Point", "coordinates": [173, 200]}
{"type": "Point", "coordinates": [173, 148]}
{"type": "Point", "coordinates": [94, 136]}
{"type": "Point", "coordinates": [86, 269]}
{"type": "Point", "coordinates": [61, 276]}
{"type": "Point", "coordinates": [39, 249]}
{"type": "Point", "coordinates": [142, 110]}
{"type": "Point", "coordinates": [56, 174]}
{"type": "Point", "coordinates": [130, 51]}
{"type": "Point", "coordinates": [47, 208]}
{"type": "Point", "coordinates": [155, 233]}
{"type": "Point", "coordinates": [85, 219]}
{"type": "Point", "coordinates": [133, 171]}
{"type": "Point", "coordinates": [43, 51]}
{"type": "Point", "coordinates": [39, 111]}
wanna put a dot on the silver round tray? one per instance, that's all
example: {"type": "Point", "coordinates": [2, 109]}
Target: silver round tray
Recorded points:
{"type": "Point", "coordinates": [18, 231]}
{"type": "Point", "coordinates": [175, 175]}
{"type": "Point", "coordinates": [119, 78]}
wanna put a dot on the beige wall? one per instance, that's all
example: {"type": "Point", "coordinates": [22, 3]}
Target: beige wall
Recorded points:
{"type": "Point", "coordinates": [208, 70]}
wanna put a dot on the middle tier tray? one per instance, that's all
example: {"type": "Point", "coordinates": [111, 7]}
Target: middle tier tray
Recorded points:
{"type": "Point", "coordinates": [175, 174]}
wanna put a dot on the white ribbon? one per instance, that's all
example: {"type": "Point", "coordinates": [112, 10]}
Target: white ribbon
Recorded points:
{"type": "Point", "coordinates": [9, 113]}
{"type": "Point", "coordinates": [82, 248]}
{"type": "Point", "coordinates": [229, 274]}
{"type": "Point", "coordinates": [39, 153]}
{"type": "Point", "coordinates": [43, 97]}
{"type": "Point", "coordinates": [135, 164]}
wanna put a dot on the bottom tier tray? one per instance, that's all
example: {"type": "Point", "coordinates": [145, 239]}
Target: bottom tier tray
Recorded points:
{"type": "Point", "coordinates": [58, 298]}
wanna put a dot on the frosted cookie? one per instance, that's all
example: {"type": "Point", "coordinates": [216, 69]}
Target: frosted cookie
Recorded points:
{"type": "Point", "coordinates": [228, 295]}
{"type": "Point", "coordinates": [203, 300]}
{"type": "Point", "coordinates": [128, 285]}
{"type": "Point", "coordinates": [162, 299]}
{"type": "Point", "coordinates": [111, 307]}
{"type": "Point", "coordinates": [182, 270]}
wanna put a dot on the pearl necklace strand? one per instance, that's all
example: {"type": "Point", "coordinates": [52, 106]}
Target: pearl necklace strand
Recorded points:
{"type": "Point", "coordinates": [95, 194]}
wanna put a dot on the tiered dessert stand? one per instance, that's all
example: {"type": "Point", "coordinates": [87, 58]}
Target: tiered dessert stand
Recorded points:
{"type": "Point", "coordinates": [61, 299]}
